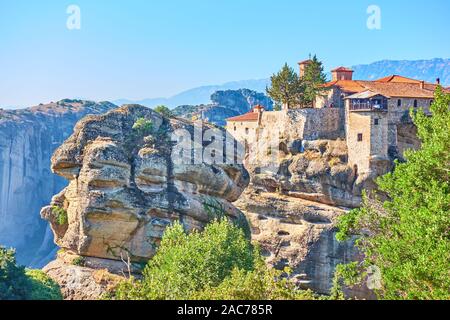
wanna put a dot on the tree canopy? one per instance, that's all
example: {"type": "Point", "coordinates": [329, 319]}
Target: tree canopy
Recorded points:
{"type": "Point", "coordinates": [313, 81]}
{"type": "Point", "coordinates": [289, 89]}
{"type": "Point", "coordinates": [218, 263]}
{"type": "Point", "coordinates": [16, 283]}
{"type": "Point", "coordinates": [286, 88]}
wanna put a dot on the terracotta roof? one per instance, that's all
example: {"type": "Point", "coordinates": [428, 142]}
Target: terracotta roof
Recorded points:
{"type": "Point", "coordinates": [342, 69]}
{"type": "Point", "coordinates": [259, 107]}
{"type": "Point", "coordinates": [398, 79]}
{"type": "Point", "coordinates": [305, 61]}
{"type": "Point", "coordinates": [398, 90]}
{"type": "Point", "coordinates": [391, 86]}
{"type": "Point", "coordinates": [349, 86]}
{"type": "Point", "coordinates": [249, 116]}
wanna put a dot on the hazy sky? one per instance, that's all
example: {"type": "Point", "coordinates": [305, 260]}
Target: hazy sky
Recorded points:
{"type": "Point", "coordinates": [150, 48]}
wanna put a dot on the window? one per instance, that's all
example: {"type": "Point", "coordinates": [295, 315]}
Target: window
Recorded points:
{"type": "Point", "coordinates": [360, 137]}
{"type": "Point", "coordinates": [246, 130]}
{"type": "Point", "coordinates": [235, 128]}
{"type": "Point", "coordinates": [415, 103]}
{"type": "Point", "coordinates": [377, 122]}
{"type": "Point", "coordinates": [431, 102]}
{"type": "Point", "coordinates": [399, 102]}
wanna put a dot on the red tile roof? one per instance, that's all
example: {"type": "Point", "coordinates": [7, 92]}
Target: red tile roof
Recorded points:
{"type": "Point", "coordinates": [305, 61]}
{"type": "Point", "coordinates": [342, 69]}
{"type": "Point", "coordinates": [397, 79]}
{"type": "Point", "coordinates": [249, 116]}
{"type": "Point", "coordinates": [391, 86]}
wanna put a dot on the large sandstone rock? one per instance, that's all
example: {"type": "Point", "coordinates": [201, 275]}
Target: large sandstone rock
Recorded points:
{"type": "Point", "coordinates": [28, 138]}
{"type": "Point", "coordinates": [125, 187]}
{"type": "Point", "coordinates": [300, 234]}
{"type": "Point", "coordinates": [313, 170]}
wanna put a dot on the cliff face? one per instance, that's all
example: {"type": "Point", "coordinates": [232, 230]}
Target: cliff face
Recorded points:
{"type": "Point", "coordinates": [27, 140]}
{"type": "Point", "coordinates": [125, 187]}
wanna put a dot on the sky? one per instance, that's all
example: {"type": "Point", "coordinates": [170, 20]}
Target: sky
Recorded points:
{"type": "Point", "coordinates": [138, 49]}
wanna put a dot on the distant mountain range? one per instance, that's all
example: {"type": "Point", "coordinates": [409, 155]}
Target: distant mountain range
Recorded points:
{"type": "Point", "coordinates": [427, 70]}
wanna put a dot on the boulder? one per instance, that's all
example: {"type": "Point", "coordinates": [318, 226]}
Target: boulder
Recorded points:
{"type": "Point", "coordinates": [126, 186]}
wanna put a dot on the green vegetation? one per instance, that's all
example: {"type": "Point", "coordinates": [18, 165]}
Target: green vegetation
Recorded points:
{"type": "Point", "coordinates": [42, 287]}
{"type": "Point", "coordinates": [143, 126]}
{"type": "Point", "coordinates": [79, 261]}
{"type": "Point", "coordinates": [408, 236]}
{"type": "Point", "coordinates": [163, 110]}
{"type": "Point", "coordinates": [218, 263]}
{"type": "Point", "coordinates": [16, 283]}
{"type": "Point", "coordinates": [287, 88]}
{"type": "Point", "coordinates": [313, 80]}
{"type": "Point", "coordinates": [60, 215]}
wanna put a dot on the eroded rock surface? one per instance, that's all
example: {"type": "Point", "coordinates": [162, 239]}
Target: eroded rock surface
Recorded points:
{"type": "Point", "coordinates": [299, 234]}
{"type": "Point", "coordinates": [28, 138]}
{"type": "Point", "coordinates": [125, 187]}
{"type": "Point", "coordinates": [314, 170]}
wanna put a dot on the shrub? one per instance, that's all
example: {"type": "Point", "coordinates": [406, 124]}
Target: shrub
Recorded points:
{"type": "Point", "coordinates": [143, 126]}
{"type": "Point", "coordinates": [60, 215]}
{"type": "Point", "coordinates": [163, 110]}
{"type": "Point", "coordinates": [42, 286]}
{"type": "Point", "coordinates": [16, 283]}
{"type": "Point", "coordinates": [79, 261]}
{"type": "Point", "coordinates": [218, 263]}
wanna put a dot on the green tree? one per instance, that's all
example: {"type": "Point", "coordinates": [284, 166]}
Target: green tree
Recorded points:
{"type": "Point", "coordinates": [286, 88]}
{"type": "Point", "coordinates": [163, 110]}
{"type": "Point", "coordinates": [408, 236]}
{"type": "Point", "coordinates": [218, 263]}
{"type": "Point", "coordinates": [313, 81]}
{"type": "Point", "coordinates": [16, 283]}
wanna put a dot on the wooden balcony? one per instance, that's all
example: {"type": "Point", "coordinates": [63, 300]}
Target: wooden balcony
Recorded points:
{"type": "Point", "coordinates": [368, 105]}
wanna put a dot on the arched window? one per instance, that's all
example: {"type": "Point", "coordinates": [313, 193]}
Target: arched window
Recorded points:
{"type": "Point", "coordinates": [415, 103]}
{"type": "Point", "coordinates": [246, 130]}
{"type": "Point", "coordinates": [399, 102]}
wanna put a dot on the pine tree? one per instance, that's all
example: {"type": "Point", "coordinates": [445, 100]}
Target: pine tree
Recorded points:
{"type": "Point", "coordinates": [313, 81]}
{"type": "Point", "coordinates": [286, 88]}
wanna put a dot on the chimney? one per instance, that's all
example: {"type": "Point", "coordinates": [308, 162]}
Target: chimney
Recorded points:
{"type": "Point", "coordinates": [438, 80]}
{"type": "Point", "coordinates": [422, 84]}
{"type": "Point", "coordinates": [342, 73]}
{"type": "Point", "coordinates": [259, 109]}
{"type": "Point", "coordinates": [303, 65]}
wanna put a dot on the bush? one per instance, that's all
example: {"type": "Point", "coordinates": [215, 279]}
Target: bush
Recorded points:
{"type": "Point", "coordinates": [42, 287]}
{"type": "Point", "coordinates": [164, 111]}
{"type": "Point", "coordinates": [143, 126]}
{"type": "Point", "coordinates": [60, 215]}
{"type": "Point", "coordinates": [218, 263]}
{"type": "Point", "coordinates": [18, 284]}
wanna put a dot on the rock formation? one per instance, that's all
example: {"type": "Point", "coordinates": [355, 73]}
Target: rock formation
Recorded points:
{"type": "Point", "coordinates": [28, 138]}
{"type": "Point", "coordinates": [125, 188]}
{"type": "Point", "coordinates": [225, 104]}
{"type": "Point", "coordinates": [314, 170]}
